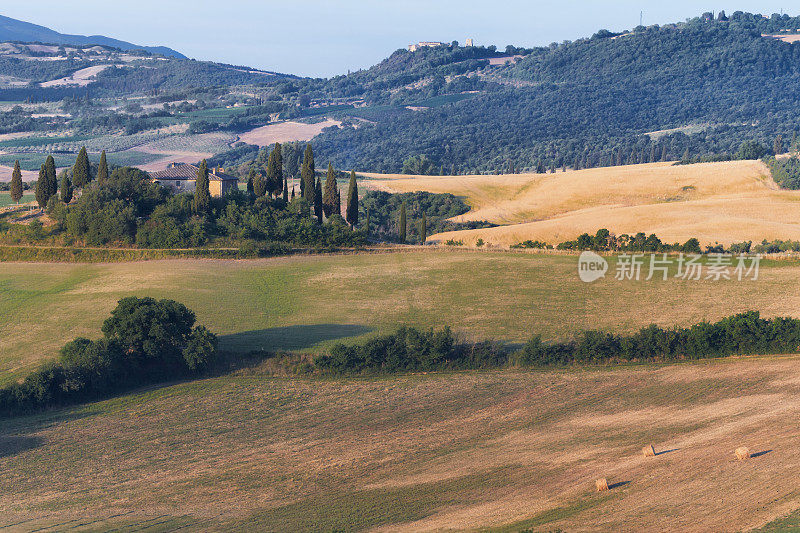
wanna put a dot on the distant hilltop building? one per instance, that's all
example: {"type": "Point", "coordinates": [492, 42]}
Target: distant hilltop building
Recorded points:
{"type": "Point", "coordinates": [470, 43]}
{"type": "Point", "coordinates": [424, 44]}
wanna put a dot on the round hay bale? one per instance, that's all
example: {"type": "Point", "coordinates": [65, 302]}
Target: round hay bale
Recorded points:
{"type": "Point", "coordinates": [649, 451]}
{"type": "Point", "coordinates": [743, 453]}
{"type": "Point", "coordinates": [601, 484]}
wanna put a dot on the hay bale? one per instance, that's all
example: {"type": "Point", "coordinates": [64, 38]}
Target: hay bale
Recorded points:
{"type": "Point", "coordinates": [743, 453]}
{"type": "Point", "coordinates": [601, 484]}
{"type": "Point", "coordinates": [649, 451]}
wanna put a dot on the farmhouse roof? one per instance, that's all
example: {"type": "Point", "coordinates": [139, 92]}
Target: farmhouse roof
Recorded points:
{"type": "Point", "coordinates": [182, 171]}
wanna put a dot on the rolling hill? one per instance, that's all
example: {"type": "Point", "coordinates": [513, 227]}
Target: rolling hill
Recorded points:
{"type": "Point", "coordinates": [17, 30]}
{"type": "Point", "coordinates": [714, 202]}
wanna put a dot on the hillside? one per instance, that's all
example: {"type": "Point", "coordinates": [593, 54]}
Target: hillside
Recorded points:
{"type": "Point", "coordinates": [714, 202]}
{"type": "Point", "coordinates": [17, 30]}
{"type": "Point", "coordinates": [508, 449]}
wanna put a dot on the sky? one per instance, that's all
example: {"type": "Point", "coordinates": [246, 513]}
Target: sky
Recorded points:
{"type": "Point", "coordinates": [324, 38]}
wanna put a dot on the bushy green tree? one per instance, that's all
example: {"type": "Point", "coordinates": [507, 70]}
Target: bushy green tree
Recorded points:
{"type": "Point", "coordinates": [352, 200]}
{"type": "Point", "coordinates": [16, 183]}
{"type": "Point", "coordinates": [81, 171]}
{"type": "Point", "coordinates": [419, 165]}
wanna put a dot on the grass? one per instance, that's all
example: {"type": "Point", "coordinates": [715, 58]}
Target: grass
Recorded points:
{"type": "Point", "coordinates": [42, 141]}
{"type": "Point", "coordinates": [725, 202]}
{"type": "Point", "coordinates": [33, 162]}
{"type": "Point", "coordinates": [504, 450]}
{"type": "Point", "coordinates": [306, 303]}
{"type": "Point", "coordinates": [787, 524]}
{"type": "Point", "coordinates": [5, 198]}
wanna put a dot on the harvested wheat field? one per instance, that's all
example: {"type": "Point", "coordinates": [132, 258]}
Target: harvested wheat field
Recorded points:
{"type": "Point", "coordinates": [714, 202]}
{"type": "Point", "coordinates": [285, 132]}
{"type": "Point", "coordinates": [506, 450]}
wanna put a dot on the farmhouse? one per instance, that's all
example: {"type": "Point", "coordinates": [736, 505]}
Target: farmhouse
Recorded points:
{"type": "Point", "coordinates": [424, 44]}
{"type": "Point", "coordinates": [180, 177]}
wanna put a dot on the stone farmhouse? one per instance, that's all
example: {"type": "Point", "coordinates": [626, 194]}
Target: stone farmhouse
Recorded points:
{"type": "Point", "coordinates": [180, 177]}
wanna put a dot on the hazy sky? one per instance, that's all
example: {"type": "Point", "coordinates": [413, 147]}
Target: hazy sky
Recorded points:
{"type": "Point", "coordinates": [328, 37]}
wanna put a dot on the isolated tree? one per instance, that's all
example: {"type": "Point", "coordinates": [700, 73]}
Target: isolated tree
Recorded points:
{"type": "Point", "coordinates": [318, 200]}
{"type": "Point", "coordinates": [329, 195]}
{"type": "Point", "coordinates": [102, 168]}
{"type": "Point", "coordinates": [202, 194]}
{"type": "Point", "coordinates": [42, 188]}
{"type": "Point", "coordinates": [16, 183]}
{"type": "Point", "coordinates": [307, 173]}
{"type": "Point", "coordinates": [66, 188]}
{"type": "Point", "coordinates": [81, 173]}
{"type": "Point", "coordinates": [401, 224]}
{"type": "Point", "coordinates": [423, 228]}
{"type": "Point", "coordinates": [50, 175]}
{"type": "Point", "coordinates": [351, 212]}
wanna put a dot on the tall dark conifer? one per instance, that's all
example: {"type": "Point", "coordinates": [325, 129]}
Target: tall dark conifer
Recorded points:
{"type": "Point", "coordinates": [351, 212]}
{"type": "Point", "coordinates": [318, 200]}
{"type": "Point", "coordinates": [285, 189]}
{"type": "Point", "coordinates": [81, 172]}
{"type": "Point", "coordinates": [401, 224]}
{"type": "Point", "coordinates": [307, 173]}
{"type": "Point", "coordinates": [102, 168]}
{"type": "Point", "coordinates": [202, 194]}
{"type": "Point", "coordinates": [16, 183]}
{"type": "Point", "coordinates": [50, 176]}
{"type": "Point", "coordinates": [42, 188]}
{"type": "Point", "coordinates": [66, 188]}
{"type": "Point", "coordinates": [329, 196]}
{"type": "Point", "coordinates": [423, 228]}
{"type": "Point", "coordinates": [277, 170]}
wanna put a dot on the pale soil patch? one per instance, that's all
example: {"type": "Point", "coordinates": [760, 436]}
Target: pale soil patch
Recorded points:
{"type": "Point", "coordinates": [785, 38]}
{"type": "Point", "coordinates": [716, 202]}
{"type": "Point", "coordinates": [285, 132]}
{"type": "Point", "coordinates": [27, 175]}
{"type": "Point", "coordinates": [80, 78]}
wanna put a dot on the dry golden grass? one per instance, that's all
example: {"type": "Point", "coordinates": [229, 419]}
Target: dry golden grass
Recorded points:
{"type": "Point", "coordinates": [510, 450]}
{"type": "Point", "coordinates": [714, 202]}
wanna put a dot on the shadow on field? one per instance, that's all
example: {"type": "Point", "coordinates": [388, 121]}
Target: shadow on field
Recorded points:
{"type": "Point", "coordinates": [12, 445]}
{"type": "Point", "coordinates": [289, 337]}
{"type": "Point", "coordinates": [759, 454]}
{"type": "Point", "coordinates": [618, 484]}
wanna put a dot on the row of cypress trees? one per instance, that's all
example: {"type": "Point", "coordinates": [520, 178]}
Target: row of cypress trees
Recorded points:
{"type": "Point", "coordinates": [325, 202]}
{"type": "Point", "coordinates": [47, 185]}
{"type": "Point", "coordinates": [402, 226]}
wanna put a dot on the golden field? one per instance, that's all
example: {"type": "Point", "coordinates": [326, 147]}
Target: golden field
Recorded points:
{"type": "Point", "coordinates": [715, 202]}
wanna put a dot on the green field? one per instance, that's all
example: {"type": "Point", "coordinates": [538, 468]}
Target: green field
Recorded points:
{"type": "Point", "coordinates": [43, 141]}
{"type": "Point", "coordinates": [308, 302]}
{"type": "Point", "coordinates": [5, 198]}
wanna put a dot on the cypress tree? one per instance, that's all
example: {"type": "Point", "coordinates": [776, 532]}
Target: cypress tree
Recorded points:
{"type": "Point", "coordinates": [277, 170]}
{"type": "Point", "coordinates": [81, 174]}
{"type": "Point", "coordinates": [779, 144]}
{"type": "Point", "coordinates": [42, 188]}
{"type": "Point", "coordinates": [329, 195]}
{"type": "Point", "coordinates": [16, 183]}
{"type": "Point", "coordinates": [102, 168]}
{"type": "Point", "coordinates": [50, 176]}
{"type": "Point", "coordinates": [251, 176]}
{"type": "Point", "coordinates": [202, 195]}
{"type": "Point", "coordinates": [401, 226]}
{"type": "Point", "coordinates": [307, 173]}
{"type": "Point", "coordinates": [318, 200]}
{"type": "Point", "coordinates": [794, 141]}
{"type": "Point", "coordinates": [66, 188]}
{"type": "Point", "coordinates": [285, 189]}
{"type": "Point", "coordinates": [352, 201]}
{"type": "Point", "coordinates": [423, 228]}
{"type": "Point", "coordinates": [366, 223]}
{"type": "Point", "coordinates": [259, 185]}
{"type": "Point", "coordinates": [271, 173]}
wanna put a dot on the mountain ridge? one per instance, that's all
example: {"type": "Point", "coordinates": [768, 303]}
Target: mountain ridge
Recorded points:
{"type": "Point", "coordinates": [17, 30]}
